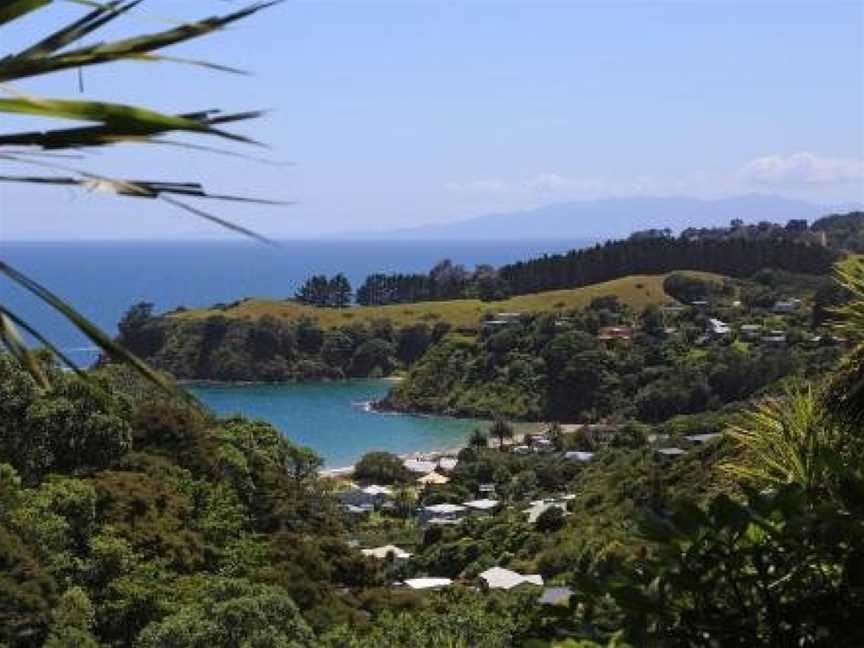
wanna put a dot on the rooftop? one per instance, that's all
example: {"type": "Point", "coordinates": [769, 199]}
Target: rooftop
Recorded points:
{"type": "Point", "coordinates": [385, 551]}
{"type": "Point", "coordinates": [427, 583]}
{"type": "Point", "coordinates": [499, 578]}
{"type": "Point", "coordinates": [482, 504]}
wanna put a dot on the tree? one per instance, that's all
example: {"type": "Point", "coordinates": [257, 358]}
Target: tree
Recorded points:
{"type": "Point", "coordinates": [339, 289]}
{"type": "Point", "coordinates": [315, 291]}
{"type": "Point", "coordinates": [550, 520]}
{"type": "Point", "coordinates": [502, 431]}
{"type": "Point", "coordinates": [478, 439]}
{"type": "Point", "coordinates": [232, 612]}
{"type": "Point", "coordinates": [381, 467]}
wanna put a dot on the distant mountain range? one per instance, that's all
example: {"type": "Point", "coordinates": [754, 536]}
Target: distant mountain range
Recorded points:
{"type": "Point", "coordinates": [615, 218]}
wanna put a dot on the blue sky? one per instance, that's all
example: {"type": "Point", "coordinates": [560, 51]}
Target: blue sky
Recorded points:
{"type": "Point", "coordinates": [406, 112]}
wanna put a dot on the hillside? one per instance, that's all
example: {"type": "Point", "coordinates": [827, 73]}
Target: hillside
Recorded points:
{"type": "Point", "coordinates": [636, 292]}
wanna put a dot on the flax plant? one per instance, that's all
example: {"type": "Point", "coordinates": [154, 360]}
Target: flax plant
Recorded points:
{"type": "Point", "coordinates": [108, 124]}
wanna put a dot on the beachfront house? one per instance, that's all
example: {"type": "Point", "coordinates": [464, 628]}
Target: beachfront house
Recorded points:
{"type": "Point", "coordinates": [420, 466]}
{"type": "Point", "coordinates": [447, 464]}
{"type": "Point", "coordinates": [505, 579]}
{"type": "Point", "coordinates": [368, 498]}
{"type": "Point", "coordinates": [386, 552]}
{"type": "Point", "coordinates": [433, 479]}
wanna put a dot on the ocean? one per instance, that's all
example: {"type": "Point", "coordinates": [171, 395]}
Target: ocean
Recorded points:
{"type": "Point", "coordinates": [103, 279]}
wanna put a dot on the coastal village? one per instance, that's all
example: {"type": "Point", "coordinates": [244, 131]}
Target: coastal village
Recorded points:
{"type": "Point", "coordinates": [423, 503]}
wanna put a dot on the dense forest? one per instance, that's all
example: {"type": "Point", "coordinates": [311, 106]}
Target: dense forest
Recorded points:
{"type": "Point", "coordinates": [273, 350]}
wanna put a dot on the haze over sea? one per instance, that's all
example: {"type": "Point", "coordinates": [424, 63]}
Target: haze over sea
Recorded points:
{"type": "Point", "coordinates": [102, 279]}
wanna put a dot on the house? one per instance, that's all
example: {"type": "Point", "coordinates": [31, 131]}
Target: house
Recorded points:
{"type": "Point", "coordinates": [427, 583]}
{"type": "Point", "coordinates": [555, 596]}
{"type": "Point", "coordinates": [482, 505]}
{"type": "Point", "coordinates": [498, 578]}
{"type": "Point", "coordinates": [486, 489]}
{"type": "Point", "coordinates": [701, 439]}
{"type": "Point", "coordinates": [787, 306]}
{"type": "Point", "coordinates": [503, 319]}
{"type": "Point", "coordinates": [359, 510]}
{"type": "Point", "coordinates": [447, 464]}
{"type": "Point", "coordinates": [774, 338]}
{"type": "Point", "coordinates": [386, 552]}
{"type": "Point", "coordinates": [369, 497]}
{"type": "Point", "coordinates": [520, 450]}
{"type": "Point", "coordinates": [667, 454]}
{"type": "Point", "coordinates": [615, 333]}
{"type": "Point", "coordinates": [378, 491]}
{"type": "Point", "coordinates": [420, 466]}
{"type": "Point", "coordinates": [700, 304]}
{"type": "Point", "coordinates": [542, 445]}
{"type": "Point", "coordinates": [540, 506]}
{"type": "Point", "coordinates": [718, 327]}
{"type": "Point", "coordinates": [750, 331]}
{"type": "Point", "coordinates": [433, 479]}
{"type": "Point", "coordinates": [448, 512]}
{"type": "Point", "coordinates": [576, 455]}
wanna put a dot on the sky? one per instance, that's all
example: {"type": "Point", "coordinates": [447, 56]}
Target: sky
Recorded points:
{"type": "Point", "coordinates": [388, 115]}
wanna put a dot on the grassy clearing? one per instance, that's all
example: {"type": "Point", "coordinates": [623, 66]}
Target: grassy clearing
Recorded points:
{"type": "Point", "coordinates": [637, 291]}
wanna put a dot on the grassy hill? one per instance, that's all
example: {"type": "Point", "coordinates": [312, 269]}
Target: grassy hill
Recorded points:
{"type": "Point", "coordinates": [637, 291]}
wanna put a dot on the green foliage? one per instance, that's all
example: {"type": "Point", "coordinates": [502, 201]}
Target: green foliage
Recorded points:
{"type": "Point", "coordinates": [225, 613]}
{"type": "Point", "coordinates": [776, 570]}
{"type": "Point", "coordinates": [381, 468]}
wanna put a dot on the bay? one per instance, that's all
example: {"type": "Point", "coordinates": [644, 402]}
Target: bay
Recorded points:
{"type": "Point", "coordinates": [334, 419]}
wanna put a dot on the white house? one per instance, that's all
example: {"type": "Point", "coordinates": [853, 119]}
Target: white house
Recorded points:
{"type": "Point", "coordinates": [482, 505]}
{"type": "Point", "coordinates": [499, 578]}
{"type": "Point", "coordinates": [718, 327]}
{"type": "Point", "coordinates": [420, 466]}
{"type": "Point", "coordinates": [427, 583]}
{"type": "Point", "coordinates": [387, 550]}
{"type": "Point", "coordinates": [576, 455]}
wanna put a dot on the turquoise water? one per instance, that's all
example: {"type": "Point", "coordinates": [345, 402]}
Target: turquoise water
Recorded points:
{"type": "Point", "coordinates": [331, 418]}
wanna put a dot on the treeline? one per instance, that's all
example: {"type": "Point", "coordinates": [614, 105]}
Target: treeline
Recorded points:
{"type": "Point", "coordinates": [445, 281]}
{"type": "Point", "coordinates": [318, 290]}
{"type": "Point", "coordinates": [734, 257]}
{"type": "Point", "coordinates": [737, 251]}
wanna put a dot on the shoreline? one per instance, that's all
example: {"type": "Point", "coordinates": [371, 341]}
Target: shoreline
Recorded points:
{"type": "Point", "coordinates": [206, 382]}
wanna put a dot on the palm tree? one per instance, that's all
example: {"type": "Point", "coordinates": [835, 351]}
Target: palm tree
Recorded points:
{"type": "Point", "coordinates": [789, 440]}
{"type": "Point", "coordinates": [108, 124]}
{"type": "Point", "coordinates": [845, 397]}
{"type": "Point", "coordinates": [502, 431]}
